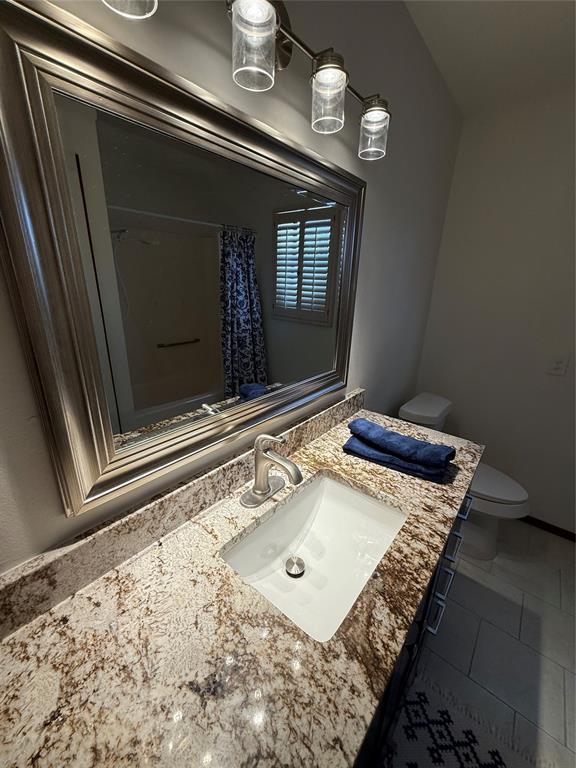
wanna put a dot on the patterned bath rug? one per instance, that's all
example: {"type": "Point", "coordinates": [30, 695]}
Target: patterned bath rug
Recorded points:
{"type": "Point", "coordinates": [433, 731]}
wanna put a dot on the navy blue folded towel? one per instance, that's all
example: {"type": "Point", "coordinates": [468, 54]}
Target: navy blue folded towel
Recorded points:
{"type": "Point", "coordinates": [250, 391]}
{"type": "Point", "coordinates": [404, 447]}
{"type": "Point", "coordinates": [363, 450]}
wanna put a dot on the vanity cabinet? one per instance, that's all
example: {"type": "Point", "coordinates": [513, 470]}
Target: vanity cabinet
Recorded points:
{"type": "Point", "coordinates": [378, 746]}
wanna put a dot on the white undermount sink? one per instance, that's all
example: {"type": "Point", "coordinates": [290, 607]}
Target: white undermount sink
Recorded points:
{"type": "Point", "coordinates": [340, 534]}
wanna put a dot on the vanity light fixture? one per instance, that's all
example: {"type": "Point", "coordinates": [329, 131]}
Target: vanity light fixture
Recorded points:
{"type": "Point", "coordinates": [329, 81]}
{"type": "Point", "coordinates": [262, 42]}
{"type": "Point", "coordinates": [133, 9]}
{"type": "Point", "coordinates": [329, 85]}
{"type": "Point", "coordinates": [374, 128]}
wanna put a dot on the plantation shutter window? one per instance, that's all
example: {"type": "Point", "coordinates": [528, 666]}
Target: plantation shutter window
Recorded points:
{"type": "Point", "coordinates": [287, 264]}
{"type": "Point", "coordinates": [306, 245]}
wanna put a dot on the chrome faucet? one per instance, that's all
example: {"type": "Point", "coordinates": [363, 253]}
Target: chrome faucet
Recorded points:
{"type": "Point", "coordinates": [211, 410]}
{"type": "Point", "coordinates": [266, 485]}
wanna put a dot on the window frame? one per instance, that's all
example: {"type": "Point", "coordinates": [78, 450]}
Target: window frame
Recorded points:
{"type": "Point", "coordinates": [304, 215]}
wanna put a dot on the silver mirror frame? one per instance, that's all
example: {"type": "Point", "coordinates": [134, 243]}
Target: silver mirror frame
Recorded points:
{"type": "Point", "coordinates": [44, 50]}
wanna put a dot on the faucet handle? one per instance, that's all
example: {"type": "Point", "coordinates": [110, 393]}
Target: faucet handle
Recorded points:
{"type": "Point", "coordinates": [263, 442]}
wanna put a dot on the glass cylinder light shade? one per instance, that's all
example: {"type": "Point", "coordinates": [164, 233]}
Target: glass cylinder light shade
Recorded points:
{"type": "Point", "coordinates": [328, 93]}
{"type": "Point", "coordinates": [133, 9]}
{"type": "Point", "coordinates": [374, 129]}
{"type": "Point", "coordinates": [253, 44]}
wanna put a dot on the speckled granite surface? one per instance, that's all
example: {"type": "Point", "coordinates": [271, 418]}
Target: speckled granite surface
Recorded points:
{"type": "Point", "coordinates": [42, 582]}
{"type": "Point", "coordinates": [170, 659]}
{"type": "Point", "coordinates": [129, 439]}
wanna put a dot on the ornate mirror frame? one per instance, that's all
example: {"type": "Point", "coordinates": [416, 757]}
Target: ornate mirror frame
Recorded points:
{"type": "Point", "coordinates": [44, 50]}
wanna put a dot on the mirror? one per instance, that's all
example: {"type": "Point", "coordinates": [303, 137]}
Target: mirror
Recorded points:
{"type": "Point", "coordinates": [210, 283]}
{"type": "Point", "coordinates": [183, 276]}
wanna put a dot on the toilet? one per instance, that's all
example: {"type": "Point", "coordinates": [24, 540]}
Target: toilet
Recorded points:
{"type": "Point", "coordinates": [495, 496]}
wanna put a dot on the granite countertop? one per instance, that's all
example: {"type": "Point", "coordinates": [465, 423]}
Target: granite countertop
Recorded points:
{"type": "Point", "coordinates": [170, 659]}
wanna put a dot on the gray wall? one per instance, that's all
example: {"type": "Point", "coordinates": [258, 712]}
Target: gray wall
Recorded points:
{"type": "Point", "coordinates": [503, 303]}
{"type": "Point", "coordinates": [405, 208]}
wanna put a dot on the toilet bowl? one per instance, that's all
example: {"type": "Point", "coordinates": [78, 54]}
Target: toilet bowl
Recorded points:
{"type": "Point", "coordinates": [495, 496]}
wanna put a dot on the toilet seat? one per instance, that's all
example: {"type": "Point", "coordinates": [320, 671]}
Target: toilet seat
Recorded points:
{"type": "Point", "coordinates": [497, 494]}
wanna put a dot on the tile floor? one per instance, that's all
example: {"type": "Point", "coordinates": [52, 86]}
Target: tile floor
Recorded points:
{"type": "Point", "coordinates": [505, 648]}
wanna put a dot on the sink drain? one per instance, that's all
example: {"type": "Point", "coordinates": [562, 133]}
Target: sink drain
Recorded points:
{"type": "Point", "coordinates": [295, 567]}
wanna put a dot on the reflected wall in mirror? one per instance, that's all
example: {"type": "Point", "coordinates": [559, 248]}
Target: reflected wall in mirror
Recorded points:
{"type": "Point", "coordinates": [210, 283]}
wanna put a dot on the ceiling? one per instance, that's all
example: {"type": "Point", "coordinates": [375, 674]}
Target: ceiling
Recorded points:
{"type": "Point", "coordinates": [493, 51]}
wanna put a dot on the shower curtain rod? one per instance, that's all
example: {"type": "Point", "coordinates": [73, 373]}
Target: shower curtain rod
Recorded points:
{"type": "Point", "coordinates": [180, 219]}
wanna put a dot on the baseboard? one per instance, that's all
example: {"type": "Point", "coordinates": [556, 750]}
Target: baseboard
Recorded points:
{"type": "Point", "coordinates": [551, 528]}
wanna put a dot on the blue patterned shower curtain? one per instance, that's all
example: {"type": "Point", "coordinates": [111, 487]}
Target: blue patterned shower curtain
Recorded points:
{"type": "Point", "coordinates": [243, 351]}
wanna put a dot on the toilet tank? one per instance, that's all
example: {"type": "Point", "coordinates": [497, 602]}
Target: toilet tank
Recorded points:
{"type": "Point", "coordinates": [426, 409]}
